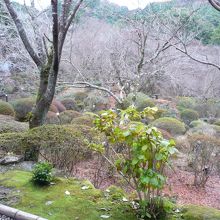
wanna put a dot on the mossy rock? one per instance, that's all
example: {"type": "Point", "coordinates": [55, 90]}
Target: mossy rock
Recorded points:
{"type": "Point", "coordinates": [8, 125]}
{"type": "Point", "coordinates": [189, 115]}
{"type": "Point", "coordinates": [83, 120]}
{"type": "Point", "coordinates": [23, 107]}
{"type": "Point", "coordinates": [172, 125]}
{"type": "Point", "coordinates": [193, 212]}
{"type": "Point", "coordinates": [67, 116]}
{"type": "Point", "coordinates": [81, 204]}
{"type": "Point", "coordinates": [6, 109]}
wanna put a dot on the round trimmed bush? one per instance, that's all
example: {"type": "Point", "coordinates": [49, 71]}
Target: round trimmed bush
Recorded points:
{"type": "Point", "coordinates": [23, 107]}
{"type": "Point", "coordinates": [186, 103]}
{"type": "Point", "coordinates": [60, 107]}
{"type": "Point", "coordinates": [196, 123]}
{"type": "Point", "coordinates": [140, 100]}
{"type": "Point", "coordinates": [172, 125]}
{"type": "Point", "coordinates": [62, 145]}
{"type": "Point", "coordinates": [189, 115]}
{"type": "Point", "coordinates": [8, 124]}
{"type": "Point", "coordinates": [67, 116]}
{"type": "Point", "coordinates": [96, 102]}
{"type": "Point", "coordinates": [53, 108]}
{"type": "Point", "coordinates": [83, 120]}
{"type": "Point", "coordinates": [69, 104]}
{"type": "Point", "coordinates": [80, 96]}
{"type": "Point", "coordinates": [6, 109]}
{"type": "Point", "coordinates": [217, 122]}
{"type": "Point", "coordinates": [52, 118]}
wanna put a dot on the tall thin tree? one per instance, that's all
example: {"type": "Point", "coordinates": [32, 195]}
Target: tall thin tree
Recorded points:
{"type": "Point", "coordinates": [47, 60]}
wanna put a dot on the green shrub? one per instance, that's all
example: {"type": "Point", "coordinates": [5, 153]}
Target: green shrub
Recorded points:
{"type": "Point", "coordinates": [42, 173]}
{"type": "Point", "coordinates": [189, 115]}
{"type": "Point", "coordinates": [196, 123]}
{"type": "Point", "coordinates": [62, 145]}
{"type": "Point", "coordinates": [80, 96]}
{"type": "Point", "coordinates": [23, 107]}
{"type": "Point", "coordinates": [83, 120]}
{"type": "Point", "coordinates": [144, 147]}
{"type": "Point", "coordinates": [194, 212]}
{"type": "Point", "coordinates": [95, 102]}
{"type": "Point", "coordinates": [172, 125]}
{"type": "Point", "coordinates": [217, 122]}
{"type": "Point", "coordinates": [6, 109]}
{"type": "Point", "coordinates": [186, 103]}
{"type": "Point", "coordinates": [67, 116]}
{"type": "Point", "coordinates": [8, 124]}
{"type": "Point", "coordinates": [140, 100]}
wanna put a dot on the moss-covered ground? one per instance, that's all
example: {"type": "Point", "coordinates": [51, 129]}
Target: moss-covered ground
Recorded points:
{"type": "Point", "coordinates": [87, 204]}
{"type": "Point", "coordinates": [54, 203]}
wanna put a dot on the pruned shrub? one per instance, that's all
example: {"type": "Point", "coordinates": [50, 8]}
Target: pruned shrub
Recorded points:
{"type": "Point", "coordinates": [53, 108]}
{"type": "Point", "coordinates": [61, 145]}
{"type": "Point", "coordinates": [69, 104]}
{"type": "Point", "coordinates": [6, 109]}
{"type": "Point", "coordinates": [52, 118]}
{"type": "Point", "coordinates": [208, 109]}
{"type": "Point", "coordinates": [95, 102]}
{"type": "Point", "coordinates": [189, 115]}
{"type": "Point", "coordinates": [186, 103]}
{"type": "Point", "coordinates": [67, 116]}
{"type": "Point", "coordinates": [23, 107]}
{"type": "Point", "coordinates": [217, 122]}
{"type": "Point", "coordinates": [172, 125]}
{"type": "Point", "coordinates": [80, 96]}
{"type": "Point", "coordinates": [83, 120]}
{"type": "Point", "coordinates": [8, 124]}
{"type": "Point", "coordinates": [60, 107]}
{"type": "Point", "coordinates": [196, 123]}
{"type": "Point", "coordinates": [139, 100]}
{"type": "Point", "coordinates": [42, 174]}
{"type": "Point", "coordinates": [204, 157]}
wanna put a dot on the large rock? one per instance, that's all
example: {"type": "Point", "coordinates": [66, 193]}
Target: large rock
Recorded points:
{"type": "Point", "coordinates": [11, 160]}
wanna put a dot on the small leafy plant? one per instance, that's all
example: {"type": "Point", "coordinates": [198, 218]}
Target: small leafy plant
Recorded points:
{"type": "Point", "coordinates": [142, 157]}
{"type": "Point", "coordinates": [42, 173]}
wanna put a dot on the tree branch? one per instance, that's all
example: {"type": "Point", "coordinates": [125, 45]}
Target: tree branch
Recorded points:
{"type": "Point", "coordinates": [89, 85]}
{"type": "Point", "coordinates": [215, 4]}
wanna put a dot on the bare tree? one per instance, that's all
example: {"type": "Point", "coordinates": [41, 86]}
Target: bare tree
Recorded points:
{"type": "Point", "coordinates": [47, 60]}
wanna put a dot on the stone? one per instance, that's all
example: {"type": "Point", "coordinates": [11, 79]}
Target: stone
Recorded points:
{"type": "Point", "coordinates": [11, 159]}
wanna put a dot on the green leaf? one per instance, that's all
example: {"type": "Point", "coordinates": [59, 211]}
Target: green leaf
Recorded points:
{"type": "Point", "coordinates": [134, 161]}
{"type": "Point", "coordinates": [144, 148]}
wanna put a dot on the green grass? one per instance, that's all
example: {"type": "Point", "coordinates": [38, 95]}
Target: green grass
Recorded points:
{"type": "Point", "coordinates": [80, 204]}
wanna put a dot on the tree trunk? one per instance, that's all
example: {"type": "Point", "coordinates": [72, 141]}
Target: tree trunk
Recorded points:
{"type": "Point", "coordinates": [46, 91]}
